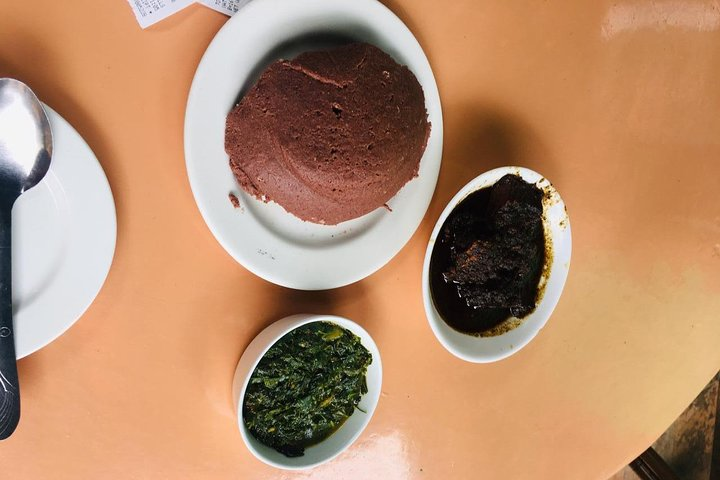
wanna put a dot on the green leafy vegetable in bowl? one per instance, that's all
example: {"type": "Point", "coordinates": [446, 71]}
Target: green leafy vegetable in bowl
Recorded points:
{"type": "Point", "coordinates": [305, 387]}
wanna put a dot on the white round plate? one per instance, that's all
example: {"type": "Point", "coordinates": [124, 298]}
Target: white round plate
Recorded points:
{"type": "Point", "coordinates": [63, 241]}
{"type": "Point", "coordinates": [264, 238]}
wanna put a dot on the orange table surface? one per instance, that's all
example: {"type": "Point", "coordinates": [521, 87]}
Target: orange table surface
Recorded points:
{"type": "Point", "coordinates": [616, 102]}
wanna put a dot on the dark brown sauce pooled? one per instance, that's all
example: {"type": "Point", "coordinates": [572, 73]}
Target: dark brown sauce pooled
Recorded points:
{"type": "Point", "coordinates": [489, 256]}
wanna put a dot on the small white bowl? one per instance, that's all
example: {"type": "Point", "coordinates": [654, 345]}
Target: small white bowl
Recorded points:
{"type": "Point", "coordinates": [557, 223]}
{"type": "Point", "coordinates": [345, 435]}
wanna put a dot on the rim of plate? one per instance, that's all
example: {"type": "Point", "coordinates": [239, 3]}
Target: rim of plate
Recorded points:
{"type": "Point", "coordinates": [91, 233]}
{"type": "Point", "coordinates": [265, 239]}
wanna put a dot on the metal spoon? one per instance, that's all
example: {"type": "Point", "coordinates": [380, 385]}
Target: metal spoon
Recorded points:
{"type": "Point", "coordinates": [25, 152]}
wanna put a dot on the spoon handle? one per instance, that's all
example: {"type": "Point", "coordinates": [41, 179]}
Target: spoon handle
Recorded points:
{"type": "Point", "coordinates": [9, 387]}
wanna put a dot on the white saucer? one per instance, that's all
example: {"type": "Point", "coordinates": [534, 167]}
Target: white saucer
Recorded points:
{"type": "Point", "coordinates": [264, 238]}
{"type": "Point", "coordinates": [63, 241]}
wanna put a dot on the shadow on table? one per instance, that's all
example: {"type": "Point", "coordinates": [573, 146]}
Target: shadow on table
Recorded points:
{"type": "Point", "coordinates": [479, 138]}
{"type": "Point", "coordinates": [331, 302]}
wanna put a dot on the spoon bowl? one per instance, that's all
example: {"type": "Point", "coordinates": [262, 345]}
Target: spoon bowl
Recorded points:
{"type": "Point", "coordinates": [25, 138]}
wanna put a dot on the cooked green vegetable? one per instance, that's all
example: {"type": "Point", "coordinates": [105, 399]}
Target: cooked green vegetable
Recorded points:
{"type": "Point", "coordinates": [305, 387]}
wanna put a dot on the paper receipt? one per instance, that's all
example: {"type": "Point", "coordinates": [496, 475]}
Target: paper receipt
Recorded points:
{"type": "Point", "coordinates": [148, 12]}
{"type": "Point", "coordinates": [228, 7]}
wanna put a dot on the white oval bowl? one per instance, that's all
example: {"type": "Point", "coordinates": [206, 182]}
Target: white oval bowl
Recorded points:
{"type": "Point", "coordinates": [556, 221]}
{"type": "Point", "coordinates": [339, 441]}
